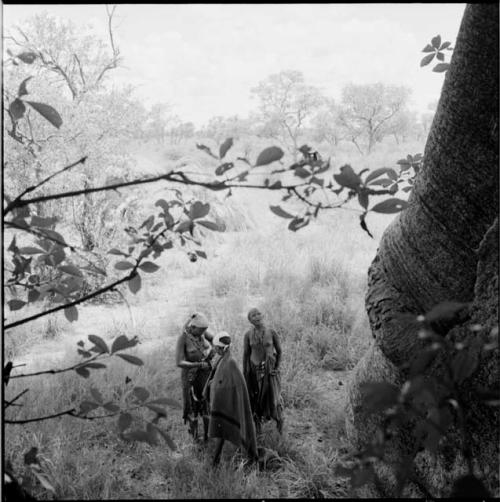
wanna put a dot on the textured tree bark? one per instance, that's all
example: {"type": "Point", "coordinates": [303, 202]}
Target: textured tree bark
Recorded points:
{"type": "Point", "coordinates": [430, 252]}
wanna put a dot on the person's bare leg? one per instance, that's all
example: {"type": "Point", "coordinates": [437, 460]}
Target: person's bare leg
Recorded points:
{"type": "Point", "coordinates": [218, 450]}
{"type": "Point", "coordinates": [206, 421]}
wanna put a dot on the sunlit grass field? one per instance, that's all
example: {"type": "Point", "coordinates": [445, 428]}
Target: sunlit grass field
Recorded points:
{"type": "Point", "coordinates": [310, 286]}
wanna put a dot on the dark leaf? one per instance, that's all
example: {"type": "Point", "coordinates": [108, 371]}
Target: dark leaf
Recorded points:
{"type": "Point", "coordinates": [378, 396]}
{"type": "Point", "coordinates": [206, 150]}
{"type": "Point", "coordinates": [117, 252]}
{"type": "Point", "coordinates": [441, 67]}
{"type": "Point", "coordinates": [167, 438]}
{"type": "Point", "coordinates": [201, 254]}
{"type": "Point", "coordinates": [152, 433]}
{"type": "Point", "coordinates": [149, 267]}
{"type": "Point", "coordinates": [421, 361]}
{"type": "Point", "coordinates": [157, 409]}
{"type": "Point", "coordinates": [446, 311]}
{"type": "Point", "coordinates": [298, 223]}
{"type": "Point", "coordinates": [22, 88]}
{"type": "Point", "coordinates": [317, 181]}
{"type": "Point", "coordinates": [363, 199]}
{"type": "Point", "coordinates": [436, 41]}
{"type": "Point", "coordinates": [84, 353]}
{"type": "Point", "coordinates": [99, 342]}
{"type": "Point", "coordinates": [276, 185]}
{"type": "Point", "coordinates": [138, 435]}
{"type": "Point", "coordinates": [301, 172]}
{"type": "Point", "coordinates": [199, 210]}
{"type": "Point", "coordinates": [71, 269]}
{"type": "Point", "coordinates": [16, 304]}
{"type": "Point", "coordinates": [362, 222]}
{"type": "Point", "coordinates": [225, 147]}
{"type": "Point", "coordinates": [71, 313]}
{"type": "Point", "coordinates": [464, 364]}
{"type": "Point", "coordinates": [123, 265]}
{"type": "Point", "coordinates": [124, 421]}
{"type": "Point", "coordinates": [427, 59]}
{"type": "Point", "coordinates": [27, 57]}
{"type": "Point", "coordinates": [120, 343]}
{"type": "Point", "coordinates": [243, 176]}
{"type": "Point", "coordinates": [378, 172]}
{"type": "Point", "coordinates": [96, 394]}
{"type": "Point", "coordinates": [440, 56]}
{"type": "Point", "coordinates": [220, 170]}
{"type": "Point", "coordinates": [134, 284]}
{"type": "Point", "coordinates": [141, 393]}
{"type": "Point", "coordinates": [86, 406]}
{"type": "Point", "coordinates": [348, 178]}
{"type": "Point", "coordinates": [30, 457]}
{"type": "Point", "coordinates": [148, 222]}
{"type": "Point", "coordinates": [184, 226]}
{"type": "Point", "coordinates": [163, 204]}
{"type": "Point", "coordinates": [47, 112]}
{"type": "Point", "coordinates": [166, 400]}
{"type": "Point", "coordinates": [29, 250]}
{"type": "Point", "coordinates": [390, 206]}
{"type": "Point", "coordinates": [82, 372]}
{"type": "Point", "coordinates": [131, 359]}
{"type": "Point", "coordinates": [111, 407]}
{"type": "Point", "coordinates": [428, 48]}
{"type": "Point", "coordinates": [210, 225]}
{"type": "Point", "coordinates": [444, 46]}
{"type": "Point", "coordinates": [95, 366]}
{"type": "Point", "coordinates": [280, 212]}
{"type": "Point", "coordinates": [37, 221]}
{"type": "Point", "coordinates": [33, 295]}
{"type": "Point", "coordinates": [17, 109]}
{"type": "Point", "coordinates": [268, 155]}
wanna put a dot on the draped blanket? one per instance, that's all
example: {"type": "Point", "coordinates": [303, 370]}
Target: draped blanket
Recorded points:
{"type": "Point", "coordinates": [265, 390]}
{"type": "Point", "coordinates": [230, 411]}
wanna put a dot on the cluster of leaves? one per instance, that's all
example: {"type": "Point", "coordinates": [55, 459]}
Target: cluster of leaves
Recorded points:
{"type": "Point", "coordinates": [432, 407]}
{"type": "Point", "coordinates": [435, 50]}
{"type": "Point", "coordinates": [308, 169]}
{"type": "Point", "coordinates": [123, 401]}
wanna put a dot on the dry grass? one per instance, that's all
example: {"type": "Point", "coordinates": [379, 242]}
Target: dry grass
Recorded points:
{"type": "Point", "coordinates": [311, 287]}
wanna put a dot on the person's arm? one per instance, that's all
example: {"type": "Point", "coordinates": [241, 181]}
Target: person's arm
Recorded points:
{"type": "Point", "coordinates": [246, 354]}
{"type": "Point", "coordinates": [277, 347]}
{"type": "Point", "coordinates": [180, 359]}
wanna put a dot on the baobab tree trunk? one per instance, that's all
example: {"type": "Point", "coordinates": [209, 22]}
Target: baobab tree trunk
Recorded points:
{"type": "Point", "coordinates": [444, 246]}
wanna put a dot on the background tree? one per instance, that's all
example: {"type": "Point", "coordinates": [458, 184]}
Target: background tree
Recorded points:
{"type": "Point", "coordinates": [368, 112]}
{"type": "Point", "coordinates": [325, 124]}
{"type": "Point", "coordinates": [286, 103]}
{"type": "Point", "coordinates": [443, 247]}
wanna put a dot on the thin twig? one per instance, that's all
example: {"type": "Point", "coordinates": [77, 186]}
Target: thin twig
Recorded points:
{"type": "Point", "coordinates": [172, 176]}
{"type": "Point", "coordinates": [12, 401]}
{"type": "Point", "coordinates": [14, 203]}
{"type": "Point", "coordinates": [54, 372]}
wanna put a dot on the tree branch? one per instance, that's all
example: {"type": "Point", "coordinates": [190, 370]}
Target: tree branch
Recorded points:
{"type": "Point", "coordinates": [54, 372]}
{"type": "Point", "coordinates": [14, 203]}
{"type": "Point", "coordinates": [12, 401]}
{"type": "Point", "coordinates": [39, 419]}
{"type": "Point", "coordinates": [172, 176]}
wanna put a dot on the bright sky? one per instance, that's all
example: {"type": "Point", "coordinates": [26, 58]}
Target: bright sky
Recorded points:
{"type": "Point", "coordinates": [204, 59]}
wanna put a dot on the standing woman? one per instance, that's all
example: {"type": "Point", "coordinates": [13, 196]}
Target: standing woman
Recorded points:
{"type": "Point", "coordinates": [261, 361]}
{"type": "Point", "coordinates": [193, 354]}
{"type": "Point", "coordinates": [230, 410]}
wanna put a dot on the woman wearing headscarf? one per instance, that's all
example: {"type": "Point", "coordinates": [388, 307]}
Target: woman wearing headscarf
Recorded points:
{"type": "Point", "coordinates": [230, 410]}
{"type": "Point", "coordinates": [193, 355]}
{"type": "Point", "coordinates": [261, 361]}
